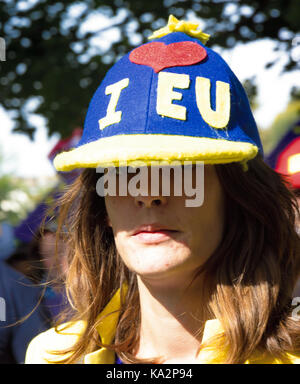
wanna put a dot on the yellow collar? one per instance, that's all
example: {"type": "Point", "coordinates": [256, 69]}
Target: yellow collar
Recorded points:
{"type": "Point", "coordinates": [108, 324]}
{"type": "Point", "coordinates": [107, 328]}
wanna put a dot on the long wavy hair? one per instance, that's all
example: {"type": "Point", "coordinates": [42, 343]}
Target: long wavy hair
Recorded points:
{"type": "Point", "coordinates": [251, 275]}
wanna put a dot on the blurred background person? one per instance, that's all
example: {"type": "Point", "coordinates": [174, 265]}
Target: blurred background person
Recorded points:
{"type": "Point", "coordinates": [32, 266]}
{"type": "Point", "coordinates": [45, 265]}
{"type": "Point", "coordinates": [54, 257]}
{"type": "Point", "coordinates": [285, 159]}
{"type": "Point", "coordinates": [19, 298]}
{"type": "Point", "coordinates": [297, 289]}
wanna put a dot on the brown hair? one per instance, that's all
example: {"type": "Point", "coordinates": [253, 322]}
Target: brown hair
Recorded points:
{"type": "Point", "coordinates": [251, 275]}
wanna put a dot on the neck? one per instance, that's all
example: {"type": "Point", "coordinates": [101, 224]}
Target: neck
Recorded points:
{"type": "Point", "coordinates": [172, 319]}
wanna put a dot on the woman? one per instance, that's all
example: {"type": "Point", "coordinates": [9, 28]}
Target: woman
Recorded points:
{"type": "Point", "coordinates": [155, 277]}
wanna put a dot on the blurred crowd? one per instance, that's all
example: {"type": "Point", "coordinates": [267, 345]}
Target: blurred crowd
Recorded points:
{"type": "Point", "coordinates": [31, 288]}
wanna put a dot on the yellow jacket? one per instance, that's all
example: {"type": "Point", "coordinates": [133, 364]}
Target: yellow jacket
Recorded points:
{"type": "Point", "coordinates": [39, 349]}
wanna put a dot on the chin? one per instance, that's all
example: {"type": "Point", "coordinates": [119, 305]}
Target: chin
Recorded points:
{"type": "Point", "coordinates": [157, 260]}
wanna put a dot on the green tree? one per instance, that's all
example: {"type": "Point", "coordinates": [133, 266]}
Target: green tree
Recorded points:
{"type": "Point", "coordinates": [251, 90]}
{"type": "Point", "coordinates": [9, 207]}
{"type": "Point", "coordinates": [51, 68]}
{"type": "Point", "coordinates": [17, 196]}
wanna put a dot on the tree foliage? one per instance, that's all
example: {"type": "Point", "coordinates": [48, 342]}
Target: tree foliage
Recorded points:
{"type": "Point", "coordinates": [18, 196]}
{"type": "Point", "coordinates": [52, 66]}
{"type": "Point", "coordinates": [10, 208]}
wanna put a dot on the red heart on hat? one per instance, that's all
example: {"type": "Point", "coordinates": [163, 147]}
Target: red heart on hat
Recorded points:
{"type": "Point", "coordinates": [159, 55]}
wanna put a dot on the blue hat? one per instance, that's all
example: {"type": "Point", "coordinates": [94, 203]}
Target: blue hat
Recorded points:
{"type": "Point", "coordinates": [170, 99]}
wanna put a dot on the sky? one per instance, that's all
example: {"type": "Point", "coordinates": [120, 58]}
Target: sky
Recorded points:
{"type": "Point", "coordinates": [26, 158]}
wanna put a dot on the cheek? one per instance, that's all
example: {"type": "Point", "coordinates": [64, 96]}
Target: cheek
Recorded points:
{"type": "Point", "coordinates": [111, 205]}
{"type": "Point", "coordinates": [215, 215]}
{"type": "Point", "coordinates": [119, 211]}
{"type": "Point", "coordinates": [108, 222]}
{"type": "Point", "coordinates": [208, 220]}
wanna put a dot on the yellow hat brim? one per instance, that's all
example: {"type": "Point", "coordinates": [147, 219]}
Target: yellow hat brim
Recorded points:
{"type": "Point", "coordinates": [124, 150]}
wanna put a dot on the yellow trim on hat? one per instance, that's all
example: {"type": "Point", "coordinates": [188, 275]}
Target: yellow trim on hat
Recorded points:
{"type": "Point", "coordinates": [121, 150]}
{"type": "Point", "coordinates": [175, 25]}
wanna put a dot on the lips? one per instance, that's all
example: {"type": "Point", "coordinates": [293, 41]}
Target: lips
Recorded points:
{"type": "Point", "coordinates": [153, 233]}
{"type": "Point", "coordinates": [151, 228]}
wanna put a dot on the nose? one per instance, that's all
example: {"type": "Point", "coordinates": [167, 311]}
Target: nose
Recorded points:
{"type": "Point", "coordinates": [150, 201]}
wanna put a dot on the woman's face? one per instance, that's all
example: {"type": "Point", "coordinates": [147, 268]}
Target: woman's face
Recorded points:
{"type": "Point", "coordinates": [159, 236]}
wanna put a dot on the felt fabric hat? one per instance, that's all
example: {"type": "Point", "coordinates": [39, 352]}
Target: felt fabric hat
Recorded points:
{"type": "Point", "coordinates": [170, 99]}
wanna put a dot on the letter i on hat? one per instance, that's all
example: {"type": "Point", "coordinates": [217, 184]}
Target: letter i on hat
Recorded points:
{"type": "Point", "coordinates": [169, 99]}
